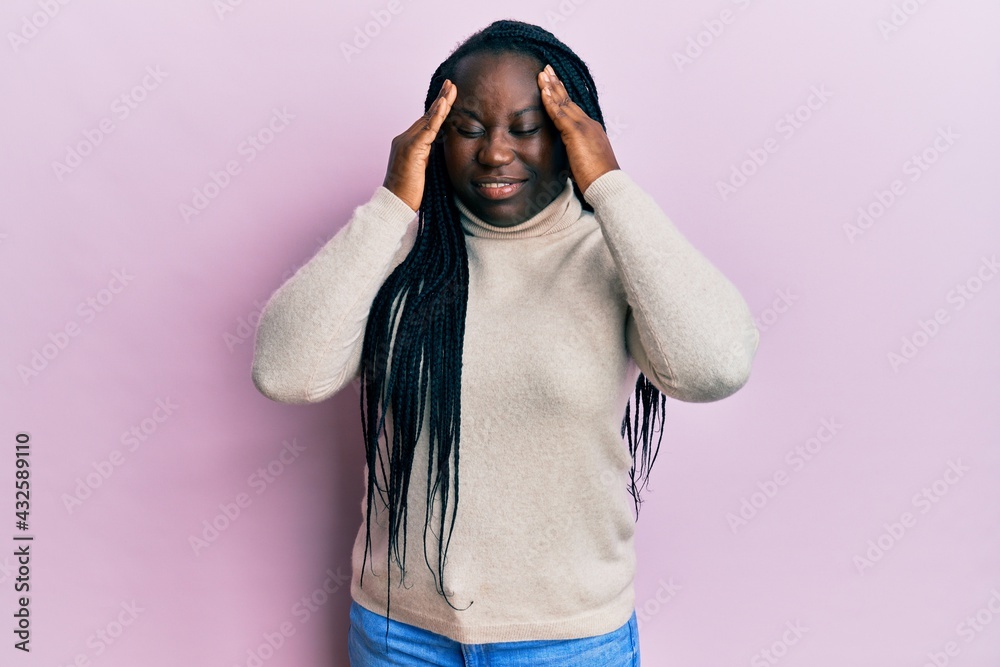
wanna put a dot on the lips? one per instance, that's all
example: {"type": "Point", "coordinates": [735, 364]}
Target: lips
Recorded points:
{"type": "Point", "coordinates": [497, 187]}
{"type": "Point", "coordinates": [497, 179]}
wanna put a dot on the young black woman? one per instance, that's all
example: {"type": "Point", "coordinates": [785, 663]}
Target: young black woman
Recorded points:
{"type": "Point", "coordinates": [537, 288]}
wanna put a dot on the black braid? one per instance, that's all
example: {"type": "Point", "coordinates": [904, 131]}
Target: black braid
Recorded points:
{"type": "Point", "coordinates": [425, 355]}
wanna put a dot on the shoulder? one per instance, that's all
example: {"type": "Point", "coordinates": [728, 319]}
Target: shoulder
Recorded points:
{"type": "Point", "coordinates": [592, 253]}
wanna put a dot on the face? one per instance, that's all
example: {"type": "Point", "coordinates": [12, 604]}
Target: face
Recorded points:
{"type": "Point", "coordinates": [498, 128]}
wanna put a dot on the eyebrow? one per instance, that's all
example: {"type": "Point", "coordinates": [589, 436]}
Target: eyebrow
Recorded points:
{"type": "Point", "coordinates": [513, 114]}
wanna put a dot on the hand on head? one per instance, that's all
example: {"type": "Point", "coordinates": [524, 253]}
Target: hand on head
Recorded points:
{"type": "Point", "coordinates": [411, 150]}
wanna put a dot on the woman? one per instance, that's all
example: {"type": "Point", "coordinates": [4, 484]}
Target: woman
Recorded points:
{"type": "Point", "coordinates": [502, 294]}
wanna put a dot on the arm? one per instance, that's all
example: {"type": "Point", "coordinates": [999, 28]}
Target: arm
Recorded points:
{"type": "Point", "coordinates": [308, 343]}
{"type": "Point", "coordinates": [688, 328]}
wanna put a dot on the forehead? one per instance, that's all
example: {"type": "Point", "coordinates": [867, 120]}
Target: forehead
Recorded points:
{"type": "Point", "coordinates": [493, 80]}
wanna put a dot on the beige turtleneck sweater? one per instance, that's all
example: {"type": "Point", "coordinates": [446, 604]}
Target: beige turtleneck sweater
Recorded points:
{"type": "Point", "coordinates": [564, 310]}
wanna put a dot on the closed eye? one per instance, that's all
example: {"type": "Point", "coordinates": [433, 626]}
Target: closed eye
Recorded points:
{"type": "Point", "coordinates": [471, 133]}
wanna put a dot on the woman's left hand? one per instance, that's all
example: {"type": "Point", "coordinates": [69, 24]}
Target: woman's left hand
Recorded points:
{"type": "Point", "coordinates": [587, 145]}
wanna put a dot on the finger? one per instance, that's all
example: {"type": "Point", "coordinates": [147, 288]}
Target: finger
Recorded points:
{"type": "Point", "coordinates": [555, 97]}
{"type": "Point", "coordinates": [442, 106]}
{"type": "Point", "coordinates": [449, 94]}
{"type": "Point", "coordinates": [442, 102]}
{"type": "Point", "coordinates": [436, 114]}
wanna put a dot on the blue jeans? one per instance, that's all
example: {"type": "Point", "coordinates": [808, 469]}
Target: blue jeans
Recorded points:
{"type": "Point", "coordinates": [411, 646]}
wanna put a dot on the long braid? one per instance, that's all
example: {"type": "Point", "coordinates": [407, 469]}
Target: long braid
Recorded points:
{"type": "Point", "coordinates": [414, 336]}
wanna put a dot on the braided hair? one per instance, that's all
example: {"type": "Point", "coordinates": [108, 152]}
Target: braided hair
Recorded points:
{"type": "Point", "coordinates": [425, 355]}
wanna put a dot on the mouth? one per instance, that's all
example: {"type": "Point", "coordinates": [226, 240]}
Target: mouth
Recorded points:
{"type": "Point", "coordinates": [499, 188]}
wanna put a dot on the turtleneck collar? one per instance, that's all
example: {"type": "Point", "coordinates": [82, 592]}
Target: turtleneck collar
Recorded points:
{"type": "Point", "coordinates": [559, 214]}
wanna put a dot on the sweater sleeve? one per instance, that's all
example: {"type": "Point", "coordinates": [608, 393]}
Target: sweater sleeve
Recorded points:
{"type": "Point", "coordinates": [688, 328]}
{"type": "Point", "coordinates": [309, 339]}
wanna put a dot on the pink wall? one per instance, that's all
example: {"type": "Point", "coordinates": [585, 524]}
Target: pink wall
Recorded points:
{"type": "Point", "coordinates": [836, 450]}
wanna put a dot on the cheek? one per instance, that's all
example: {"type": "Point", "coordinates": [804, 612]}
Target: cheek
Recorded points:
{"type": "Point", "coordinates": [549, 152]}
{"type": "Point", "coordinates": [455, 160]}
{"type": "Point", "coordinates": [560, 161]}
{"type": "Point", "coordinates": [552, 140]}
{"type": "Point", "coordinates": [447, 145]}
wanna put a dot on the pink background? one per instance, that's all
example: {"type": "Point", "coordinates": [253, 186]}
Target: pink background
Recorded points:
{"type": "Point", "coordinates": [175, 323]}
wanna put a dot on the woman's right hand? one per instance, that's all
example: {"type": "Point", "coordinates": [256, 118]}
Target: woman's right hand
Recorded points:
{"type": "Point", "coordinates": [411, 150]}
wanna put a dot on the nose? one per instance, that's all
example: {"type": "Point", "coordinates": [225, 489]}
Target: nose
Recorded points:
{"type": "Point", "coordinates": [495, 152]}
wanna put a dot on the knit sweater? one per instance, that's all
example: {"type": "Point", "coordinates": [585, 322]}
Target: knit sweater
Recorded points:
{"type": "Point", "coordinates": [564, 310]}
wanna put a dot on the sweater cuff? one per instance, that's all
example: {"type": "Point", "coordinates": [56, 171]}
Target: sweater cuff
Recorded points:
{"type": "Point", "coordinates": [386, 205]}
{"type": "Point", "coordinates": [607, 186]}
